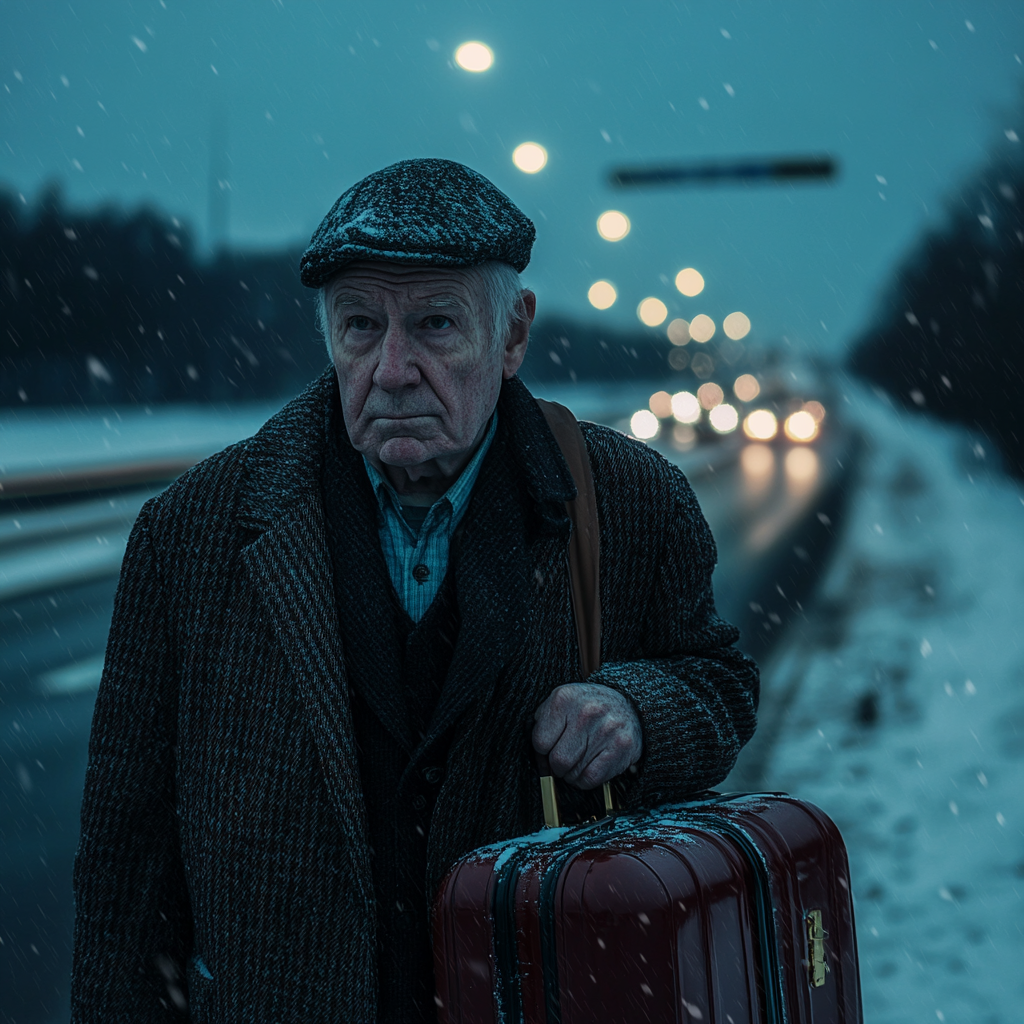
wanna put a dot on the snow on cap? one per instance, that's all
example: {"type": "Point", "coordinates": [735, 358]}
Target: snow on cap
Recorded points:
{"type": "Point", "coordinates": [434, 212]}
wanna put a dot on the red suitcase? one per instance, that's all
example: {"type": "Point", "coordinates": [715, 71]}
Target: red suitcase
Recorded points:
{"type": "Point", "coordinates": [727, 910]}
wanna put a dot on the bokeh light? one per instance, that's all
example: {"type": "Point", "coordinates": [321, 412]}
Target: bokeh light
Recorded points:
{"type": "Point", "coordinates": [530, 157]}
{"type": "Point", "coordinates": [602, 294]}
{"type": "Point", "coordinates": [709, 395]}
{"type": "Point", "coordinates": [661, 404]}
{"type": "Point", "coordinates": [689, 282]}
{"type": "Point", "coordinates": [724, 418]}
{"type": "Point", "coordinates": [644, 424]}
{"type": "Point", "coordinates": [685, 407]}
{"type": "Point", "coordinates": [679, 331]}
{"type": "Point", "coordinates": [736, 326]}
{"type": "Point", "coordinates": [816, 409]}
{"type": "Point", "coordinates": [746, 387]}
{"type": "Point", "coordinates": [801, 465]}
{"type": "Point", "coordinates": [613, 225]}
{"type": "Point", "coordinates": [474, 56]}
{"type": "Point", "coordinates": [702, 365]}
{"type": "Point", "coordinates": [652, 311]}
{"type": "Point", "coordinates": [702, 328]}
{"type": "Point", "coordinates": [800, 426]}
{"type": "Point", "coordinates": [757, 459]}
{"type": "Point", "coordinates": [678, 359]}
{"type": "Point", "coordinates": [761, 425]}
{"type": "Point", "coordinates": [684, 437]}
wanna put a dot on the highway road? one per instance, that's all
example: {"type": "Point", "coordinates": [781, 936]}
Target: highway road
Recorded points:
{"type": "Point", "coordinates": [772, 513]}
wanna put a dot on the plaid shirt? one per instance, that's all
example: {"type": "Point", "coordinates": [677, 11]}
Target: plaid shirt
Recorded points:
{"type": "Point", "coordinates": [417, 562]}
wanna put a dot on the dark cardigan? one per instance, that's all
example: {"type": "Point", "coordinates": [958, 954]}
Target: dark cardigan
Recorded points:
{"type": "Point", "coordinates": [224, 859]}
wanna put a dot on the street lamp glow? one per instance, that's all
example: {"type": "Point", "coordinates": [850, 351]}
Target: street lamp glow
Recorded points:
{"type": "Point", "coordinates": [702, 328]}
{"type": "Point", "coordinates": [474, 56]}
{"type": "Point", "coordinates": [736, 325]}
{"type": "Point", "coordinates": [602, 294]}
{"type": "Point", "coordinates": [761, 425]}
{"type": "Point", "coordinates": [652, 311]}
{"type": "Point", "coordinates": [679, 331]}
{"type": "Point", "coordinates": [660, 403]}
{"type": "Point", "coordinates": [685, 407]}
{"type": "Point", "coordinates": [709, 395]}
{"type": "Point", "coordinates": [746, 387]}
{"type": "Point", "coordinates": [613, 225]}
{"type": "Point", "coordinates": [800, 426]}
{"type": "Point", "coordinates": [644, 424]}
{"type": "Point", "coordinates": [689, 282]}
{"type": "Point", "coordinates": [724, 418]}
{"type": "Point", "coordinates": [530, 157]}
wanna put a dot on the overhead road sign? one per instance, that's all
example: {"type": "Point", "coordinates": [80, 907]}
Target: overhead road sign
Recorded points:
{"type": "Point", "coordinates": [744, 171]}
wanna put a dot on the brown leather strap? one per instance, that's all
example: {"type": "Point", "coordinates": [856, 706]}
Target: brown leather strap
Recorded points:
{"type": "Point", "coordinates": [585, 542]}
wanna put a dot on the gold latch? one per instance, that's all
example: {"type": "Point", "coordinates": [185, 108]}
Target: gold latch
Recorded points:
{"type": "Point", "coordinates": [816, 966]}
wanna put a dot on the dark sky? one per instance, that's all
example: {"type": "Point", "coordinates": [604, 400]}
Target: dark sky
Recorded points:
{"type": "Point", "coordinates": [119, 101]}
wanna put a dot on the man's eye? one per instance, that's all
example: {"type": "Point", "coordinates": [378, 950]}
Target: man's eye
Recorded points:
{"type": "Point", "coordinates": [360, 323]}
{"type": "Point", "coordinates": [437, 323]}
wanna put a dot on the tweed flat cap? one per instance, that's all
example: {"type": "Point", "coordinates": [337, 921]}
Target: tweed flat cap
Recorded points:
{"type": "Point", "coordinates": [435, 212]}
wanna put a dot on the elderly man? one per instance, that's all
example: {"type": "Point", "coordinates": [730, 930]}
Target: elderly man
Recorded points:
{"type": "Point", "coordinates": [337, 645]}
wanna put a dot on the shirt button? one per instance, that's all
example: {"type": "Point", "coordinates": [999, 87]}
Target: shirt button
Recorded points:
{"type": "Point", "coordinates": [432, 775]}
{"type": "Point", "coordinates": [419, 802]}
{"type": "Point", "coordinates": [421, 573]}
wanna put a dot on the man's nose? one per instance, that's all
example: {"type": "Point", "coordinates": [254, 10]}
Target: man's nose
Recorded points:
{"type": "Point", "coordinates": [396, 367]}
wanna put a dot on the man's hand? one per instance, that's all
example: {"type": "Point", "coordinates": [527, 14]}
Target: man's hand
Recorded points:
{"type": "Point", "coordinates": [589, 732]}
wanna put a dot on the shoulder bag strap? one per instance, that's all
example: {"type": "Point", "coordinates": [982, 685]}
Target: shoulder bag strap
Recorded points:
{"type": "Point", "coordinates": [585, 543]}
{"type": "Point", "coordinates": [584, 572]}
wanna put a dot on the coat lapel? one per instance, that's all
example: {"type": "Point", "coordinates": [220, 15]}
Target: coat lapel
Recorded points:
{"type": "Point", "coordinates": [289, 566]}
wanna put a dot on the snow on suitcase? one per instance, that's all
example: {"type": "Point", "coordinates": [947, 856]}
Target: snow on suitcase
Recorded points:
{"type": "Point", "coordinates": [727, 910]}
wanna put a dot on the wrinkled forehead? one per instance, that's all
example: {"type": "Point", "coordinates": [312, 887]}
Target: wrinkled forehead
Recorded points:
{"type": "Point", "coordinates": [384, 284]}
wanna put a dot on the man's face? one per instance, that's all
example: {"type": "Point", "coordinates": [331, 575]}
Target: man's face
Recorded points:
{"type": "Point", "coordinates": [418, 369]}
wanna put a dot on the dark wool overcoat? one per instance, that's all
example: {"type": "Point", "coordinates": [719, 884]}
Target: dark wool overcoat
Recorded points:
{"type": "Point", "coordinates": [224, 871]}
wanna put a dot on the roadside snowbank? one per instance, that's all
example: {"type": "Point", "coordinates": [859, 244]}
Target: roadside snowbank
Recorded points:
{"type": "Point", "coordinates": [898, 707]}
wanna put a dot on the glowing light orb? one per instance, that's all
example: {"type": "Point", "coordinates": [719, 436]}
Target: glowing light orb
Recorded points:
{"type": "Point", "coordinates": [689, 282]}
{"type": "Point", "coordinates": [661, 404]}
{"type": "Point", "coordinates": [644, 424]}
{"type": "Point", "coordinates": [652, 311]}
{"type": "Point", "coordinates": [761, 425]}
{"type": "Point", "coordinates": [530, 157]}
{"type": "Point", "coordinates": [679, 331]}
{"type": "Point", "coordinates": [685, 407]}
{"type": "Point", "coordinates": [816, 409]}
{"type": "Point", "coordinates": [724, 418]}
{"type": "Point", "coordinates": [613, 225]}
{"type": "Point", "coordinates": [800, 426]}
{"type": "Point", "coordinates": [736, 326]}
{"type": "Point", "coordinates": [709, 395]}
{"type": "Point", "coordinates": [746, 387]}
{"type": "Point", "coordinates": [702, 328]}
{"type": "Point", "coordinates": [602, 294]}
{"type": "Point", "coordinates": [474, 56]}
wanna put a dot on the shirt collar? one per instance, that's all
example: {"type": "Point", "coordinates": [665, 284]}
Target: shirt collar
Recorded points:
{"type": "Point", "coordinates": [456, 497]}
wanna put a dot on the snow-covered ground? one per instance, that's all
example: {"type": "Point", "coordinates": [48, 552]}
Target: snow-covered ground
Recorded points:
{"type": "Point", "coordinates": [898, 707]}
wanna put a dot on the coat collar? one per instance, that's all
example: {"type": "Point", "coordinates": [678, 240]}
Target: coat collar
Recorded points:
{"type": "Point", "coordinates": [285, 458]}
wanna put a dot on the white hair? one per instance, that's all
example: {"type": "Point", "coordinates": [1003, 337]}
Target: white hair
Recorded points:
{"type": "Point", "coordinates": [503, 292]}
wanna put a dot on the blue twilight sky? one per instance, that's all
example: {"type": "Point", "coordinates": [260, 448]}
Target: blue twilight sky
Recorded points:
{"type": "Point", "coordinates": [117, 99]}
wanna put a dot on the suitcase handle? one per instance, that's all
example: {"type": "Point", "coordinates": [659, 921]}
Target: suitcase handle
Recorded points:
{"type": "Point", "coordinates": [549, 794]}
